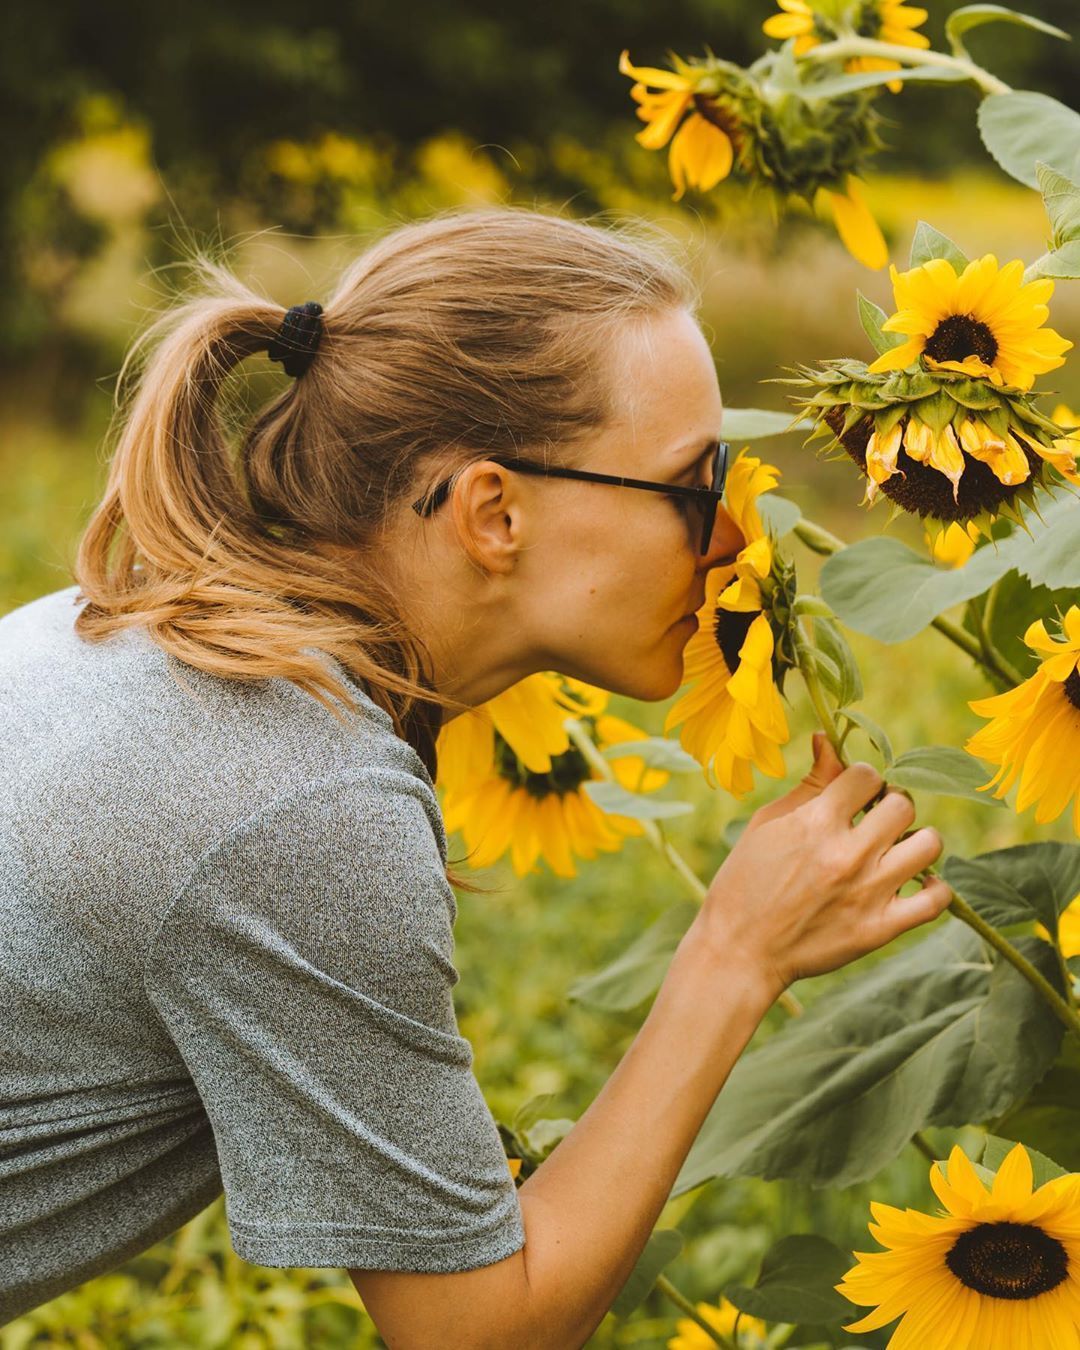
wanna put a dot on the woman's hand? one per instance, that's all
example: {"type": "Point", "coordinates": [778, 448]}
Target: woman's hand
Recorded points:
{"type": "Point", "coordinates": [805, 890]}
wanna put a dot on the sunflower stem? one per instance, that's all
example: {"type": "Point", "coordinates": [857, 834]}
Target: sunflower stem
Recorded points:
{"type": "Point", "coordinates": [847, 47]}
{"type": "Point", "coordinates": [958, 907]}
{"type": "Point", "coordinates": [991, 657]}
{"type": "Point", "coordinates": [655, 835]}
{"type": "Point", "coordinates": [664, 1285]}
{"type": "Point", "coordinates": [819, 540]}
{"type": "Point", "coordinates": [1005, 949]}
{"type": "Point", "coordinates": [924, 1146]}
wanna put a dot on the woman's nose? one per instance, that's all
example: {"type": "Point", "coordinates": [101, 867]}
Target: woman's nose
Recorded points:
{"type": "Point", "coordinates": [727, 539]}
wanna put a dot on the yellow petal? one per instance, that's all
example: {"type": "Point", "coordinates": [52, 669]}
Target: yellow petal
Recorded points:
{"type": "Point", "coordinates": [700, 155]}
{"type": "Point", "coordinates": [857, 228]}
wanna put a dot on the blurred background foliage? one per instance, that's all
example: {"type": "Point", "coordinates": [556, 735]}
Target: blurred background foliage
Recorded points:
{"type": "Point", "coordinates": [282, 139]}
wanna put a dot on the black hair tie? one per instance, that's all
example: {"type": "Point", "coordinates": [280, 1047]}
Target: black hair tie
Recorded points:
{"type": "Point", "coordinates": [298, 338]}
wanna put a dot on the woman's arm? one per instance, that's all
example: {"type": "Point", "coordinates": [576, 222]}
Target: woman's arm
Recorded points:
{"type": "Point", "coordinates": [802, 892]}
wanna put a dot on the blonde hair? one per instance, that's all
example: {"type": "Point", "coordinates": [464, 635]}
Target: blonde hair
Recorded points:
{"type": "Point", "coordinates": [466, 334]}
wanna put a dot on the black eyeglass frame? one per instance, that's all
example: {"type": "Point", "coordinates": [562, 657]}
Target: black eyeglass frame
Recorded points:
{"type": "Point", "coordinates": [707, 498]}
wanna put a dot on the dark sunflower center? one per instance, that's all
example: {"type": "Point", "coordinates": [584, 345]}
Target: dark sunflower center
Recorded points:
{"type": "Point", "coordinates": [961, 335]}
{"type": "Point", "coordinates": [730, 630]}
{"type": "Point", "coordinates": [1072, 688]}
{"type": "Point", "coordinates": [567, 773]}
{"type": "Point", "coordinates": [1008, 1260]}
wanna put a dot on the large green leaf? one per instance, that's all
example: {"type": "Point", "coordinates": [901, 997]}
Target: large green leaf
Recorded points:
{"type": "Point", "coordinates": [658, 752]}
{"type": "Point", "coordinates": [929, 243]}
{"type": "Point", "coordinates": [637, 974]}
{"type": "Point", "coordinates": [871, 317]}
{"type": "Point", "coordinates": [885, 589]}
{"type": "Point", "coordinates": [1049, 1116]}
{"type": "Point", "coordinates": [943, 769]}
{"type": "Point", "coordinates": [962, 20]}
{"type": "Point", "coordinates": [661, 1249]}
{"type": "Point", "coordinates": [1017, 603]}
{"type": "Point", "coordinates": [1018, 884]}
{"type": "Point", "coordinates": [779, 515]}
{"type": "Point", "coordinates": [941, 1034]}
{"type": "Point", "coordinates": [847, 687]}
{"type": "Point", "coordinates": [619, 801]}
{"type": "Point", "coordinates": [756, 424]}
{"type": "Point", "coordinates": [1022, 128]}
{"type": "Point", "coordinates": [1043, 1168]}
{"type": "Point", "coordinates": [1061, 197]}
{"type": "Point", "coordinates": [796, 1282]}
{"type": "Point", "coordinates": [1062, 263]}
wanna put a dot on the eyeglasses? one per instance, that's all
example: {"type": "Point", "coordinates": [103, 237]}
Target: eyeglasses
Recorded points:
{"type": "Point", "coordinates": [706, 499]}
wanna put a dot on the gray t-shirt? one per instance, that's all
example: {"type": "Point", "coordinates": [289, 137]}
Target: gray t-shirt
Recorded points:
{"type": "Point", "coordinates": [226, 946]}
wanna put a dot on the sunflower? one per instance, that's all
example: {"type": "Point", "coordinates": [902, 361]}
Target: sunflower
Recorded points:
{"type": "Point", "coordinates": [1035, 728]}
{"type": "Point", "coordinates": [987, 321]}
{"type": "Point", "coordinates": [998, 1269]}
{"type": "Point", "coordinates": [882, 20]}
{"type": "Point", "coordinates": [731, 713]}
{"type": "Point", "coordinates": [536, 807]}
{"type": "Point", "coordinates": [703, 148]}
{"type": "Point", "coordinates": [722, 1317]}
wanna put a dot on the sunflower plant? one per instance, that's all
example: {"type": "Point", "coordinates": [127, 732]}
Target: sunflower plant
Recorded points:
{"type": "Point", "coordinates": [802, 122]}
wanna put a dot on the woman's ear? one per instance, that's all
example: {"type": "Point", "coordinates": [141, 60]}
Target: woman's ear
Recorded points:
{"type": "Point", "coordinates": [486, 514]}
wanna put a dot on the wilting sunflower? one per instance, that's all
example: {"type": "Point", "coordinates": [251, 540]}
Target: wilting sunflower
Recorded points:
{"type": "Point", "coordinates": [721, 1317]}
{"type": "Point", "coordinates": [540, 811]}
{"type": "Point", "coordinates": [720, 119]}
{"type": "Point", "coordinates": [996, 1270]}
{"type": "Point", "coordinates": [732, 715]}
{"type": "Point", "coordinates": [704, 146]}
{"type": "Point", "coordinates": [945, 424]}
{"type": "Point", "coordinates": [883, 20]}
{"type": "Point", "coordinates": [1034, 732]}
{"type": "Point", "coordinates": [986, 321]}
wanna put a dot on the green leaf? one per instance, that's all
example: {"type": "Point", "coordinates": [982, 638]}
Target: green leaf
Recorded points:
{"type": "Point", "coordinates": [658, 752]}
{"type": "Point", "coordinates": [1018, 884]}
{"type": "Point", "coordinates": [619, 801]}
{"type": "Point", "coordinates": [1017, 604]}
{"type": "Point", "coordinates": [831, 641]}
{"type": "Point", "coordinates": [661, 1249]}
{"type": "Point", "coordinates": [850, 84]}
{"type": "Point", "coordinates": [638, 973]}
{"type": "Point", "coordinates": [885, 589]}
{"type": "Point", "coordinates": [811, 606]}
{"type": "Point", "coordinates": [796, 1282]}
{"type": "Point", "coordinates": [1044, 1168]}
{"type": "Point", "coordinates": [930, 243]}
{"type": "Point", "coordinates": [1049, 1116]}
{"type": "Point", "coordinates": [779, 515]}
{"type": "Point", "coordinates": [756, 424]}
{"type": "Point", "coordinates": [940, 1034]}
{"type": "Point", "coordinates": [871, 317]}
{"type": "Point", "coordinates": [962, 20]}
{"type": "Point", "coordinates": [1062, 263]}
{"type": "Point", "coordinates": [1022, 128]}
{"type": "Point", "coordinates": [877, 735]}
{"type": "Point", "coordinates": [1061, 197]}
{"type": "Point", "coordinates": [942, 769]}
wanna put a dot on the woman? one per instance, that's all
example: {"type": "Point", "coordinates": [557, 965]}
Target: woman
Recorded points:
{"type": "Point", "coordinates": [227, 956]}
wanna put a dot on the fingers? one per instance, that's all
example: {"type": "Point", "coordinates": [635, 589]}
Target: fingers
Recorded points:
{"type": "Point", "coordinates": [884, 823]}
{"type": "Point", "coordinates": [848, 793]}
{"type": "Point", "coordinates": [910, 856]}
{"type": "Point", "coordinates": [825, 768]}
{"type": "Point", "coordinates": [904, 912]}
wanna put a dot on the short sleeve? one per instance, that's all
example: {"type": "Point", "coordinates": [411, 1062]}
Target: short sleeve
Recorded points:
{"type": "Point", "coordinates": [305, 975]}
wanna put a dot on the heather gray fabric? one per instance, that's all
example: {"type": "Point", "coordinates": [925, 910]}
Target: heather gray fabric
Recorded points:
{"type": "Point", "coordinates": [225, 962]}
